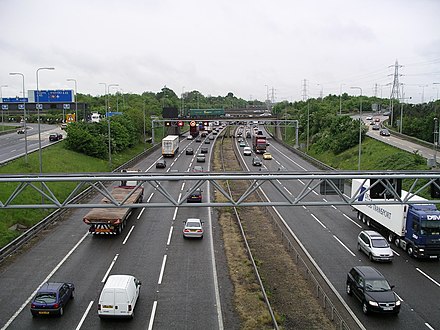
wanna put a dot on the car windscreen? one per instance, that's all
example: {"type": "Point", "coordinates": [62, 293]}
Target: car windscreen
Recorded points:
{"type": "Point", "coordinates": [192, 224]}
{"type": "Point", "coordinates": [377, 285]}
{"type": "Point", "coordinates": [379, 243]}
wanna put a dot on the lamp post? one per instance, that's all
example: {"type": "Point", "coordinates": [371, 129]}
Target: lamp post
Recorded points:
{"type": "Point", "coordinates": [40, 157]}
{"type": "Point", "coordinates": [434, 145]}
{"type": "Point", "coordinates": [308, 123]}
{"type": "Point", "coordinates": [360, 129]}
{"type": "Point", "coordinates": [108, 128]}
{"type": "Point", "coordinates": [76, 101]}
{"type": "Point", "coordinates": [340, 99]}
{"type": "Point", "coordinates": [24, 118]}
{"type": "Point", "coordinates": [436, 83]}
{"type": "Point", "coordinates": [1, 100]}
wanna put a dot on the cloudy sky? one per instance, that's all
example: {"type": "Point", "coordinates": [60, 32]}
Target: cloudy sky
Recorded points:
{"type": "Point", "coordinates": [249, 47]}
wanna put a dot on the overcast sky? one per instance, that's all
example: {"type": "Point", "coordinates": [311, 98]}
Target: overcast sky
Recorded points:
{"type": "Point", "coordinates": [247, 47]}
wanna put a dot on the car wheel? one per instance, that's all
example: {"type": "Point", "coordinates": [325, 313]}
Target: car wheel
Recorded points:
{"type": "Point", "coordinates": [359, 247]}
{"type": "Point", "coordinates": [390, 238]}
{"type": "Point", "coordinates": [370, 256]}
{"type": "Point", "coordinates": [410, 251]}
{"type": "Point", "coordinates": [348, 289]}
{"type": "Point", "coordinates": [365, 308]}
{"type": "Point", "coordinates": [61, 311]}
{"type": "Point", "coordinates": [72, 295]}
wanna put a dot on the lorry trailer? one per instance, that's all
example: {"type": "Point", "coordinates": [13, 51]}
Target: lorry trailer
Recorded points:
{"type": "Point", "coordinates": [259, 143]}
{"type": "Point", "coordinates": [113, 220]}
{"type": "Point", "coordinates": [412, 227]}
{"type": "Point", "coordinates": [170, 145]}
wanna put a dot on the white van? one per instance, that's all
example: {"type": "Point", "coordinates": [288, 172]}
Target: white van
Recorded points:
{"type": "Point", "coordinates": [247, 151]}
{"type": "Point", "coordinates": [119, 296]}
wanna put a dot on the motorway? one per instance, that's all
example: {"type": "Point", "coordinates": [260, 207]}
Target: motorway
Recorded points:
{"type": "Point", "coordinates": [12, 145]}
{"type": "Point", "coordinates": [329, 235]}
{"type": "Point", "coordinates": [184, 282]}
{"type": "Point", "coordinates": [180, 281]}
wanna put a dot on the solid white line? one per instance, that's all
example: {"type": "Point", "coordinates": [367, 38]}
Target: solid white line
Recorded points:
{"type": "Point", "coordinates": [110, 268]}
{"type": "Point", "coordinates": [28, 300]}
{"type": "Point", "coordinates": [140, 213]}
{"type": "Point", "coordinates": [84, 316]}
{"type": "Point", "coordinates": [153, 313]}
{"type": "Point", "coordinates": [162, 269]}
{"type": "Point", "coordinates": [318, 220]}
{"type": "Point", "coordinates": [340, 242]}
{"type": "Point", "coordinates": [169, 236]}
{"type": "Point", "coordinates": [352, 220]}
{"type": "Point", "coordinates": [428, 277]}
{"type": "Point", "coordinates": [429, 326]}
{"type": "Point", "coordinates": [175, 213]}
{"type": "Point", "coordinates": [128, 235]}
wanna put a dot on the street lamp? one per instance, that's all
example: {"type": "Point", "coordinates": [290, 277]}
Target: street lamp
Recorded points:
{"type": "Point", "coordinates": [340, 99]}
{"type": "Point", "coordinates": [360, 128]}
{"type": "Point", "coordinates": [434, 145]}
{"type": "Point", "coordinates": [108, 127]}
{"type": "Point", "coordinates": [1, 100]}
{"type": "Point", "coordinates": [39, 121]}
{"type": "Point", "coordinates": [76, 101]}
{"type": "Point", "coordinates": [24, 118]}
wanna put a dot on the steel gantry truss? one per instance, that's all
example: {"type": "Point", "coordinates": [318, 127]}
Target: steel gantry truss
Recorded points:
{"type": "Point", "coordinates": [308, 186]}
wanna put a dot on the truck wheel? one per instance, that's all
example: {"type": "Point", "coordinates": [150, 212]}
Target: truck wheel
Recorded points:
{"type": "Point", "coordinates": [410, 251]}
{"type": "Point", "coordinates": [397, 241]}
{"type": "Point", "coordinates": [390, 238]}
{"type": "Point", "coordinates": [368, 222]}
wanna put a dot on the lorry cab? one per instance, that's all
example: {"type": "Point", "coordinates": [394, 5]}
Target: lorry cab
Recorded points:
{"type": "Point", "coordinates": [119, 296]}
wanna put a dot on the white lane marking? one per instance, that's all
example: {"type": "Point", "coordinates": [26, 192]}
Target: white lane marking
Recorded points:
{"type": "Point", "coordinates": [427, 276]}
{"type": "Point", "coordinates": [110, 268]}
{"type": "Point", "coordinates": [318, 220]}
{"type": "Point", "coordinates": [429, 326]}
{"type": "Point", "coordinates": [128, 235]}
{"type": "Point", "coordinates": [399, 297]}
{"type": "Point", "coordinates": [180, 196]}
{"type": "Point", "coordinates": [149, 198]}
{"type": "Point", "coordinates": [183, 186]}
{"type": "Point", "coordinates": [314, 192]}
{"type": "Point", "coordinates": [395, 252]}
{"type": "Point", "coordinates": [175, 213]}
{"type": "Point", "coordinates": [28, 300]}
{"type": "Point", "coordinates": [169, 236]}
{"type": "Point", "coordinates": [153, 313]}
{"type": "Point", "coordinates": [304, 207]}
{"type": "Point", "coordinates": [302, 182]}
{"type": "Point", "coordinates": [340, 242]}
{"type": "Point", "coordinates": [84, 316]}
{"type": "Point", "coordinates": [303, 168]}
{"type": "Point", "coordinates": [162, 269]}
{"type": "Point", "coordinates": [352, 220]}
{"type": "Point", "coordinates": [140, 213]}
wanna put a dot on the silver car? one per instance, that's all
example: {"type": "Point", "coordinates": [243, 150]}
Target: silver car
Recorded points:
{"type": "Point", "coordinates": [193, 228]}
{"type": "Point", "coordinates": [374, 246]}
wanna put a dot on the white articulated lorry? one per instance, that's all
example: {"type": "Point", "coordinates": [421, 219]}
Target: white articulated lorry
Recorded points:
{"type": "Point", "coordinates": [170, 145]}
{"type": "Point", "coordinates": [413, 227]}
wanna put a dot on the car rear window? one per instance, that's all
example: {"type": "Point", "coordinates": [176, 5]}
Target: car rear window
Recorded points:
{"type": "Point", "coordinates": [192, 224]}
{"type": "Point", "coordinates": [46, 297]}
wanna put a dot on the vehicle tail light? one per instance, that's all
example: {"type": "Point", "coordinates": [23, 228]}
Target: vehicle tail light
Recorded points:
{"type": "Point", "coordinates": [129, 308]}
{"type": "Point", "coordinates": [199, 230]}
{"type": "Point", "coordinates": [56, 305]}
{"type": "Point", "coordinates": [99, 307]}
{"type": "Point", "coordinates": [186, 230]}
{"type": "Point", "coordinates": [32, 305]}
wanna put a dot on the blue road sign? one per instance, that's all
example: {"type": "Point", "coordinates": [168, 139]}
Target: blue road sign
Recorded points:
{"type": "Point", "coordinates": [54, 96]}
{"type": "Point", "coordinates": [14, 100]}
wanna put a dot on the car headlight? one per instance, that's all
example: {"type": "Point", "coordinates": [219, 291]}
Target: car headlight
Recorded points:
{"type": "Point", "coordinates": [373, 303]}
{"type": "Point", "coordinates": [398, 303]}
{"type": "Point", "coordinates": [421, 250]}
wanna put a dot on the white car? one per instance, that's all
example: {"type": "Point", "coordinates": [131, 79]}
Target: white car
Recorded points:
{"type": "Point", "coordinates": [247, 151]}
{"type": "Point", "coordinates": [190, 137]}
{"type": "Point", "coordinates": [369, 118]}
{"type": "Point", "coordinates": [193, 228]}
{"type": "Point", "coordinates": [375, 246]}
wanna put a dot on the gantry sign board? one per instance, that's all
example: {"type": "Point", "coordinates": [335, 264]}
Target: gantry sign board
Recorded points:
{"type": "Point", "coordinates": [51, 96]}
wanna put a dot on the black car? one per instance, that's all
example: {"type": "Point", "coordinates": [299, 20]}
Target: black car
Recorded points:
{"type": "Point", "coordinates": [189, 151]}
{"type": "Point", "coordinates": [376, 127]}
{"type": "Point", "coordinates": [207, 141]}
{"type": "Point", "coordinates": [384, 132]}
{"type": "Point", "coordinates": [161, 163]}
{"type": "Point", "coordinates": [204, 150]}
{"type": "Point", "coordinates": [55, 136]}
{"type": "Point", "coordinates": [198, 139]}
{"type": "Point", "coordinates": [256, 161]}
{"type": "Point", "coordinates": [195, 196]}
{"type": "Point", "coordinates": [51, 298]}
{"type": "Point", "coordinates": [372, 290]}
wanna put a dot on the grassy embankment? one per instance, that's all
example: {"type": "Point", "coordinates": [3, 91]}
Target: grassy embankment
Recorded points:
{"type": "Point", "coordinates": [56, 159]}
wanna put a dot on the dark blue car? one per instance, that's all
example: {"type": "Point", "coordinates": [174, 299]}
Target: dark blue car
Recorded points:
{"type": "Point", "coordinates": [51, 298]}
